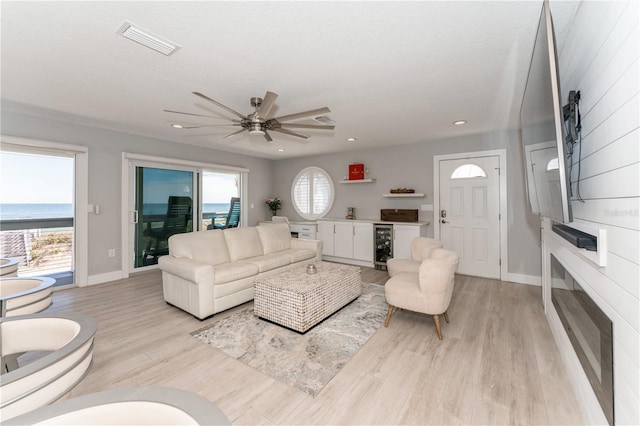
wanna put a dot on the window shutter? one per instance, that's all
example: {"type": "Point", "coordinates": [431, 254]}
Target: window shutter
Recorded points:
{"type": "Point", "coordinates": [312, 193]}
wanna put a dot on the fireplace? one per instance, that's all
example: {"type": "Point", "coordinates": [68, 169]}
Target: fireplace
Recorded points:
{"type": "Point", "coordinates": [590, 333]}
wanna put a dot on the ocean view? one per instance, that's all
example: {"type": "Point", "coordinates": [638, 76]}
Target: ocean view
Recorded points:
{"type": "Point", "coordinates": [42, 211]}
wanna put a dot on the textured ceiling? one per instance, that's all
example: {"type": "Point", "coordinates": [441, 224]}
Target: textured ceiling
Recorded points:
{"type": "Point", "coordinates": [391, 72]}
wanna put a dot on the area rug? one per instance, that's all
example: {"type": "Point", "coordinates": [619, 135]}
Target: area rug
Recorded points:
{"type": "Point", "coordinates": [305, 361]}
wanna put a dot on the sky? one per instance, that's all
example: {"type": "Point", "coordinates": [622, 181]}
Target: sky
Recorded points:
{"type": "Point", "coordinates": [28, 178]}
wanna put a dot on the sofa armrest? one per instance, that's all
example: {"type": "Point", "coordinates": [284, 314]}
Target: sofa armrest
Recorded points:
{"type": "Point", "coordinates": [315, 245]}
{"type": "Point", "coordinates": [185, 268]}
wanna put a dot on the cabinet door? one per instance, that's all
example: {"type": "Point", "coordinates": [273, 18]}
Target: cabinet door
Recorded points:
{"type": "Point", "coordinates": [343, 240]}
{"type": "Point", "coordinates": [402, 237]}
{"type": "Point", "coordinates": [325, 234]}
{"type": "Point", "coordinates": [363, 241]}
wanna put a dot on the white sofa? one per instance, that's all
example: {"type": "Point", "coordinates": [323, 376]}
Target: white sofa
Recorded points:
{"type": "Point", "coordinates": [210, 271]}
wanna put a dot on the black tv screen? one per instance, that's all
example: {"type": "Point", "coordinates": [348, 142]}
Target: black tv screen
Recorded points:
{"type": "Point", "coordinates": [541, 120]}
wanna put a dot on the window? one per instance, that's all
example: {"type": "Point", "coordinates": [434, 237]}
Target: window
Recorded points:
{"type": "Point", "coordinates": [312, 193]}
{"type": "Point", "coordinates": [553, 165]}
{"type": "Point", "coordinates": [467, 171]}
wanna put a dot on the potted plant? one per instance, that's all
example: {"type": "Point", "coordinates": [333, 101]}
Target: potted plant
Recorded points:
{"type": "Point", "coordinates": [274, 205]}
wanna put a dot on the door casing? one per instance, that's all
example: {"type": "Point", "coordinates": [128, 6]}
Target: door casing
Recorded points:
{"type": "Point", "coordinates": [502, 155]}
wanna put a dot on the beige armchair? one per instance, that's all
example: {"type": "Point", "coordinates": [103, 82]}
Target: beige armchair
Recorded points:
{"type": "Point", "coordinates": [421, 249]}
{"type": "Point", "coordinates": [427, 291]}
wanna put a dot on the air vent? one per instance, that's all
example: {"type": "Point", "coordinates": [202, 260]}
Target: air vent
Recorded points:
{"type": "Point", "coordinates": [147, 39]}
{"type": "Point", "coordinates": [324, 120]}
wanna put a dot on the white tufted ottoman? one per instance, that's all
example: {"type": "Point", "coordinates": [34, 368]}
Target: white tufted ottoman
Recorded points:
{"type": "Point", "coordinates": [297, 300]}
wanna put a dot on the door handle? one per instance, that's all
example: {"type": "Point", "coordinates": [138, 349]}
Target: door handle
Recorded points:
{"type": "Point", "coordinates": [134, 216]}
{"type": "Point", "coordinates": [444, 221]}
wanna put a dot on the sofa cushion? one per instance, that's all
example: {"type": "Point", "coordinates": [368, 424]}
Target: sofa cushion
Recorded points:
{"type": "Point", "coordinates": [204, 246]}
{"type": "Point", "coordinates": [275, 237]}
{"type": "Point", "coordinates": [298, 255]}
{"type": "Point", "coordinates": [233, 271]}
{"type": "Point", "coordinates": [269, 261]}
{"type": "Point", "coordinates": [243, 243]}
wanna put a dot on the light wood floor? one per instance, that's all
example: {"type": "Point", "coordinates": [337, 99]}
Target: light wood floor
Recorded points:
{"type": "Point", "coordinates": [497, 364]}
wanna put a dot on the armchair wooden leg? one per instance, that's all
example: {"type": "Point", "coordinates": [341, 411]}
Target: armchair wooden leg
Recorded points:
{"type": "Point", "coordinates": [436, 320]}
{"type": "Point", "coordinates": [446, 316]}
{"type": "Point", "coordinates": [389, 312]}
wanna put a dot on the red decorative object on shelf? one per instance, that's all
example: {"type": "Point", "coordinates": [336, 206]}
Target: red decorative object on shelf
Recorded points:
{"type": "Point", "coordinates": [356, 171]}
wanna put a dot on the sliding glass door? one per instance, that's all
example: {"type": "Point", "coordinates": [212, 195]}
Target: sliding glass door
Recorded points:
{"type": "Point", "coordinates": [164, 202]}
{"type": "Point", "coordinates": [166, 199]}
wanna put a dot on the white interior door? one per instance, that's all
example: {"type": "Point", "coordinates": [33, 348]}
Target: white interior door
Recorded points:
{"type": "Point", "coordinates": [470, 213]}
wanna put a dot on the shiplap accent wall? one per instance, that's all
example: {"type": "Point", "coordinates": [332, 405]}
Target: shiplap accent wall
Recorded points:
{"type": "Point", "coordinates": [601, 59]}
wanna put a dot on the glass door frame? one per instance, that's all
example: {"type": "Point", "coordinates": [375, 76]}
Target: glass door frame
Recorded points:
{"type": "Point", "coordinates": [133, 213]}
{"type": "Point", "coordinates": [80, 197]}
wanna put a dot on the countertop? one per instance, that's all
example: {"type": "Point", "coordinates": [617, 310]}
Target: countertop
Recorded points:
{"type": "Point", "coordinates": [378, 221]}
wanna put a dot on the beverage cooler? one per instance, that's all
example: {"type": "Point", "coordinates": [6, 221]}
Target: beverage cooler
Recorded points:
{"type": "Point", "coordinates": [383, 248]}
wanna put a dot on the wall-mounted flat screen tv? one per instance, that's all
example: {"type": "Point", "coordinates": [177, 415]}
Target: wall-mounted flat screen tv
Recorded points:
{"type": "Point", "coordinates": [541, 119]}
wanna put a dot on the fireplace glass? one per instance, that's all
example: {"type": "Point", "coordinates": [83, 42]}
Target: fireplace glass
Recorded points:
{"type": "Point", "coordinates": [590, 333]}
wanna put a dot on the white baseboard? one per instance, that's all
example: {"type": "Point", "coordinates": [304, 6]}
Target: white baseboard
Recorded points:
{"type": "Point", "coordinates": [524, 279]}
{"type": "Point", "coordinates": [104, 278]}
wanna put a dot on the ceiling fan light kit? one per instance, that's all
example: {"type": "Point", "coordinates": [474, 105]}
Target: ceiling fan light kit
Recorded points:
{"type": "Point", "coordinates": [259, 122]}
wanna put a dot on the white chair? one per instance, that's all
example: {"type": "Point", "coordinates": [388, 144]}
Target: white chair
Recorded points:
{"type": "Point", "coordinates": [421, 249]}
{"type": "Point", "coordinates": [9, 266]}
{"type": "Point", "coordinates": [26, 295]}
{"type": "Point", "coordinates": [428, 291]}
{"type": "Point", "coordinates": [69, 339]}
{"type": "Point", "coordinates": [151, 405]}
{"type": "Point", "coordinates": [279, 219]}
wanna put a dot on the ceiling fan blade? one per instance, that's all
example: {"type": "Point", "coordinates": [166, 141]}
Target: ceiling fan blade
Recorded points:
{"type": "Point", "coordinates": [318, 111]}
{"type": "Point", "coordinates": [267, 136]}
{"type": "Point", "coordinates": [219, 104]}
{"type": "Point", "coordinates": [267, 103]}
{"type": "Point", "coordinates": [289, 132]}
{"type": "Point", "coordinates": [197, 115]}
{"type": "Point", "coordinates": [209, 125]}
{"type": "Point", "coordinates": [307, 126]}
{"type": "Point", "coordinates": [234, 133]}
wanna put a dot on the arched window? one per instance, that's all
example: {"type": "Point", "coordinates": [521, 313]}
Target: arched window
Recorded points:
{"type": "Point", "coordinates": [312, 193]}
{"type": "Point", "coordinates": [553, 165]}
{"type": "Point", "coordinates": [467, 171]}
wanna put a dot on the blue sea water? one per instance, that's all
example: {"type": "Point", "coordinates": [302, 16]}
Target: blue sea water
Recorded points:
{"type": "Point", "coordinates": [43, 211]}
{"type": "Point", "coordinates": [35, 211]}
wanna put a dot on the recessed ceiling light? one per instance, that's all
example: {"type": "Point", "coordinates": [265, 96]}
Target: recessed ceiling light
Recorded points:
{"type": "Point", "coordinates": [280, 150]}
{"type": "Point", "coordinates": [145, 38]}
{"type": "Point", "coordinates": [177, 126]}
{"type": "Point", "coordinates": [351, 139]}
{"type": "Point", "coordinates": [460, 122]}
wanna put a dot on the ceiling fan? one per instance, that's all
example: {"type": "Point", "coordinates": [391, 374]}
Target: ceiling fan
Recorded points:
{"type": "Point", "coordinates": [259, 122]}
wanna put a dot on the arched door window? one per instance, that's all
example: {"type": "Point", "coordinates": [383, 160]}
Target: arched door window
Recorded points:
{"type": "Point", "coordinates": [468, 171]}
{"type": "Point", "coordinates": [553, 165]}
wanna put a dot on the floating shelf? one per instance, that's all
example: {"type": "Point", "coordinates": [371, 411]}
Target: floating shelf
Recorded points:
{"type": "Point", "coordinates": [405, 195]}
{"type": "Point", "coordinates": [357, 181]}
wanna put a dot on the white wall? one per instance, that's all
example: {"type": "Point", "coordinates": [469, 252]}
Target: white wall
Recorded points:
{"type": "Point", "coordinates": [411, 166]}
{"type": "Point", "coordinates": [105, 158]}
{"type": "Point", "coordinates": [600, 59]}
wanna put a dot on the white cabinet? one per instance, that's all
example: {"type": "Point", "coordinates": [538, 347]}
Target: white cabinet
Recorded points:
{"type": "Point", "coordinates": [347, 241]}
{"type": "Point", "coordinates": [402, 237]}
{"type": "Point", "coordinates": [352, 241]}
{"type": "Point", "coordinates": [304, 231]}
{"type": "Point", "coordinates": [343, 239]}
{"type": "Point", "coordinates": [326, 235]}
{"type": "Point", "coordinates": [363, 241]}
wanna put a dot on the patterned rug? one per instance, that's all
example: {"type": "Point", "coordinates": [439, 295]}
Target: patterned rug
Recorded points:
{"type": "Point", "coordinates": [305, 361]}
